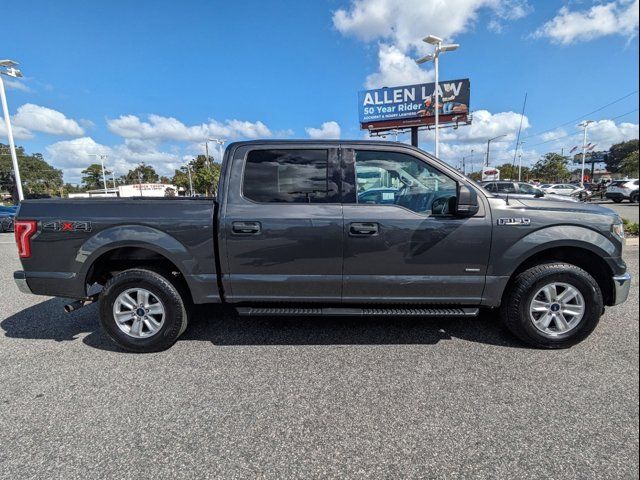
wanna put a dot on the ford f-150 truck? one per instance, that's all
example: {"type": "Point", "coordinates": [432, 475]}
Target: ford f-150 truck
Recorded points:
{"type": "Point", "coordinates": [292, 231]}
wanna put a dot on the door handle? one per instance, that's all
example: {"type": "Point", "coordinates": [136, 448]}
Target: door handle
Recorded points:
{"type": "Point", "coordinates": [362, 229]}
{"type": "Point", "coordinates": [246, 228]}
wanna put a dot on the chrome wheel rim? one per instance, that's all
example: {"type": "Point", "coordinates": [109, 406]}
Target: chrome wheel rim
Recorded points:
{"type": "Point", "coordinates": [557, 308]}
{"type": "Point", "coordinates": [138, 313]}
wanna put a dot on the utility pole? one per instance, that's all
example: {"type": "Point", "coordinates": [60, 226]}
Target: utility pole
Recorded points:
{"type": "Point", "coordinates": [190, 181]}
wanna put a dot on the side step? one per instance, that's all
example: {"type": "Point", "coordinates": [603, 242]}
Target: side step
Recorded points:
{"type": "Point", "coordinates": [358, 312]}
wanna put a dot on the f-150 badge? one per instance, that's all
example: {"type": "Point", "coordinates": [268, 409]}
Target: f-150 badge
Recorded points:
{"type": "Point", "coordinates": [514, 221]}
{"type": "Point", "coordinates": [67, 226]}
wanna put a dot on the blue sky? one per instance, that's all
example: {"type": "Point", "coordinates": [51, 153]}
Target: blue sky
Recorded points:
{"type": "Point", "coordinates": [147, 80]}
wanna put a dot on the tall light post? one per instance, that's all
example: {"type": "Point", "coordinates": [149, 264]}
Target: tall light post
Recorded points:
{"type": "Point", "coordinates": [220, 142]}
{"type": "Point", "coordinates": [190, 180]}
{"type": "Point", "coordinates": [584, 125]}
{"type": "Point", "coordinates": [439, 48]}
{"type": "Point", "coordinates": [8, 67]}
{"type": "Point", "coordinates": [102, 158]}
{"type": "Point", "coordinates": [489, 144]}
{"type": "Point", "coordinates": [519, 144]}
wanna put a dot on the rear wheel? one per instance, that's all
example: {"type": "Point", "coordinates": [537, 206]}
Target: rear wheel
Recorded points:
{"type": "Point", "coordinates": [553, 305]}
{"type": "Point", "coordinates": [142, 311]}
{"type": "Point", "coordinates": [633, 198]}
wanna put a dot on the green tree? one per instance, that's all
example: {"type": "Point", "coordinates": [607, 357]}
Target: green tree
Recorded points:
{"type": "Point", "coordinates": [509, 171]}
{"type": "Point", "coordinates": [552, 167]}
{"type": "Point", "coordinates": [38, 177]}
{"type": "Point", "coordinates": [629, 166]}
{"type": "Point", "coordinates": [618, 153]}
{"type": "Point", "coordinates": [204, 175]}
{"type": "Point", "coordinates": [92, 178]}
{"type": "Point", "coordinates": [141, 174]}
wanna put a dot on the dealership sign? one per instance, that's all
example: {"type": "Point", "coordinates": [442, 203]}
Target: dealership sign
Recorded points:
{"type": "Point", "coordinates": [413, 103]}
{"type": "Point", "coordinates": [490, 174]}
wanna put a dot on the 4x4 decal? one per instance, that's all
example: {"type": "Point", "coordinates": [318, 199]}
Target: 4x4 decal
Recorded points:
{"type": "Point", "coordinates": [67, 226]}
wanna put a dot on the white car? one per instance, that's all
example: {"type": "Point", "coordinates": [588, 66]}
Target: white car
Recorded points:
{"type": "Point", "coordinates": [564, 189]}
{"type": "Point", "coordinates": [620, 190]}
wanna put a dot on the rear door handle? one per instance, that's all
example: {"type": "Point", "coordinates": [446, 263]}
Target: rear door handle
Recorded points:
{"type": "Point", "coordinates": [246, 228]}
{"type": "Point", "coordinates": [362, 229]}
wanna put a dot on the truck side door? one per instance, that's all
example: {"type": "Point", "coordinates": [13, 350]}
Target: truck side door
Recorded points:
{"type": "Point", "coordinates": [281, 225]}
{"type": "Point", "coordinates": [411, 247]}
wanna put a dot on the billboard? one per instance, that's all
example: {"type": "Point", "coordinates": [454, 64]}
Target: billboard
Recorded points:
{"type": "Point", "coordinates": [413, 104]}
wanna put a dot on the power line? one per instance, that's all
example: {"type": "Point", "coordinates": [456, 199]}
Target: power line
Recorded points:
{"type": "Point", "coordinates": [585, 115]}
{"type": "Point", "coordinates": [571, 134]}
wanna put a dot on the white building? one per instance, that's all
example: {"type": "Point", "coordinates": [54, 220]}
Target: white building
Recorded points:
{"type": "Point", "coordinates": [126, 191]}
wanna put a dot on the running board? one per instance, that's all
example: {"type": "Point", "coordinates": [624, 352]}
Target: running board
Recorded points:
{"type": "Point", "coordinates": [358, 312]}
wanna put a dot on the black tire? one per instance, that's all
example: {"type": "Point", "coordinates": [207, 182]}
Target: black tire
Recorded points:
{"type": "Point", "coordinates": [175, 319]}
{"type": "Point", "coordinates": [617, 200]}
{"type": "Point", "coordinates": [633, 198]}
{"type": "Point", "coordinates": [515, 306]}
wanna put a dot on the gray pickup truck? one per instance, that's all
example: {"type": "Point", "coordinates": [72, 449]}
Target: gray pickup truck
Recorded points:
{"type": "Point", "coordinates": [327, 228]}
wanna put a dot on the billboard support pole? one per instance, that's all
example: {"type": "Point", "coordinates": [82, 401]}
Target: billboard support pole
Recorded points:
{"type": "Point", "coordinates": [414, 136]}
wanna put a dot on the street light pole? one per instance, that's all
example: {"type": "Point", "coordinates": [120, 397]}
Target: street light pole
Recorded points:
{"type": "Point", "coordinates": [439, 48]}
{"type": "Point", "coordinates": [104, 174]}
{"type": "Point", "coordinates": [584, 125]}
{"type": "Point", "coordinates": [488, 146]}
{"type": "Point", "coordinates": [8, 68]}
{"type": "Point", "coordinates": [519, 161]}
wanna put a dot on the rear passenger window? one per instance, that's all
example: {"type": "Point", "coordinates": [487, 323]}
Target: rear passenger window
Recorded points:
{"type": "Point", "coordinates": [288, 176]}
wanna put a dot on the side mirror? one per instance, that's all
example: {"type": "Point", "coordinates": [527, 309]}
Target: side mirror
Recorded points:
{"type": "Point", "coordinates": [467, 204]}
{"type": "Point", "coordinates": [539, 194]}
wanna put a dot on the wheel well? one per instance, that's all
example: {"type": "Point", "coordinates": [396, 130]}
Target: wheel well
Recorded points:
{"type": "Point", "coordinates": [590, 262]}
{"type": "Point", "coordinates": [117, 260]}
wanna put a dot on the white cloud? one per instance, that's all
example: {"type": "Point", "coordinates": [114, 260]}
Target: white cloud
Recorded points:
{"type": "Point", "coordinates": [31, 118]}
{"type": "Point", "coordinates": [327, 130]}
{"type": "Point", "coordinates": [73, 156]}
{"type": "Point", "coordinates": [487, 125]}
{"type": "Point", "coordinates": [42, 119]}
{"type": "Point", "coordinates": [161, 128]}
{"type": "Point", "coordinates": [399, 26]}
{"type": "Point", "coordinates": [16, 85]}
{"type": "Point", "coordinates": [19, 133]}
{"type": "Point", "coordinates": [396, 68]}
{"type": "Point", "coordinates": [619, 17]}
{"type": "Point", "coordinates": [404, 23]}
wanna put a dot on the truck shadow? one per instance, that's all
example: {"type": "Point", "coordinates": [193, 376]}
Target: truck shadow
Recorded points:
{"type": "Point", "coordinates": [223, 327]}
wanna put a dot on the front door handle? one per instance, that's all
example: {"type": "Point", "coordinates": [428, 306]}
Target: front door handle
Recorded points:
{"type": "Point", "coordinates": [362, 229]}
{"type": "Point", "coordinates": [246, 228]}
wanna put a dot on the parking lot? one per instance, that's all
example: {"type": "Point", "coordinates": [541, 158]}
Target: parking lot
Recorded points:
{"type": "Point", "coordinates": [312, 398]}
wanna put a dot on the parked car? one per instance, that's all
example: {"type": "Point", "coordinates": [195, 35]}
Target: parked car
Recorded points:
{"type": "Point", "coordinates": [287, 235]}
{"type": "Point", "coordinates": [568, 189]}
{"type": "Point", "coordinates": [518, 189]}
{"type": "Point", "coordinates": [7, 213]}
{"type": "Point", "coordinates": [620, 190]}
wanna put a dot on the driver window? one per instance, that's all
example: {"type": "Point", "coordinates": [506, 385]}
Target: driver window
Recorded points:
{"type": "Point", "coordinates": [391, 178]}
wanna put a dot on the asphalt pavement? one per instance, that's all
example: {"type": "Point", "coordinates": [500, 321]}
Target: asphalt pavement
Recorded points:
{"type": "Point", "coordinates": [312, 398]}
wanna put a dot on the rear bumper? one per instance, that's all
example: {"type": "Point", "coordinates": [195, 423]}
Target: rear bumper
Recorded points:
{"type": "Point", "coordinates": [621, 286]}
{"type": "Point", "coordinates": [21, 282]}
{"type": "Point", "coordinates": [54, 284]}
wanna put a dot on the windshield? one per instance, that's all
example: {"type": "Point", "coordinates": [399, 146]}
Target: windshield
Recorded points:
{"type": "Point", "coordinates": [528, 189]}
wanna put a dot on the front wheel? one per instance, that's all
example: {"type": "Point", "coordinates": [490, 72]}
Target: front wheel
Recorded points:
{"type": "Point", "coordinates": [633, 198]}
{"type": "Point", "coordinates": [553, 305]}
{"type": "Point", "coordinates": [142, 311]}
